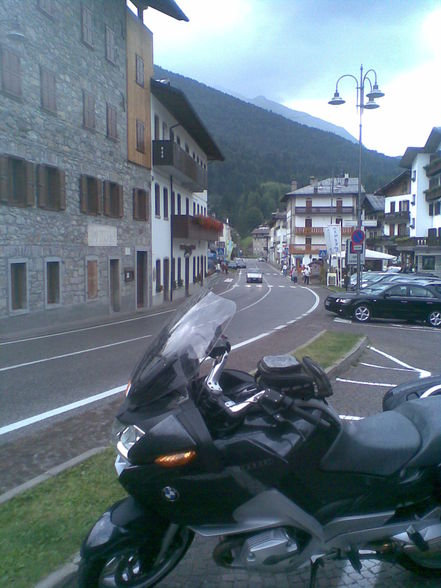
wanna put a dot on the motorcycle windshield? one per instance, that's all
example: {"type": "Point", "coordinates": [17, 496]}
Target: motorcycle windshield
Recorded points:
{"type": "Point", "coordinates": [174, 356]}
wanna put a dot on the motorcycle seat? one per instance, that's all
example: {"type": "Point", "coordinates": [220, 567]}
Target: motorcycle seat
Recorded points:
{"type": "Point", "coordinates": [425, 414]}
{"type": "Point", "coordinates": [378, 445]}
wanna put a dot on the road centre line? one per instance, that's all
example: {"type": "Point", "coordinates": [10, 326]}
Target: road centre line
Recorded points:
{"type": "Point", "coordinates": [20, 365]}
{"type": "Point", "coordinates": [137, 318]}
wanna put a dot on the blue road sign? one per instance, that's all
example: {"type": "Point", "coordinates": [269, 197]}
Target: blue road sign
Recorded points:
{"type": "Point", "coordinates": [357, 237]}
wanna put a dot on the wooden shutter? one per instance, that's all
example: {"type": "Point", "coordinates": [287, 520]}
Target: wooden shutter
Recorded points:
{"type": "Point", "coordinates": [42, 186]}
{"type": "Point", "coordinates": [83, 194]}
{"type": "Point", "coordinates": [99, 196]}
{"type": "Point", "coordinates": [4, 183]}
{"type": "Point", "coordinates": [62, 188]}
{"type": "Point", "coordinates": [106, 197]}
{"type": "Point", "coordinates": [30, 183]}
{"type": "Point", "coordinates": [120, 201]}
{"type": "Point", "coordinates": [135, 203]}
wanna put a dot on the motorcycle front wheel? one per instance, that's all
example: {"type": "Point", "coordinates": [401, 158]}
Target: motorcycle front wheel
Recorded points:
{"type": "Point", "coordinates": [134, 565]}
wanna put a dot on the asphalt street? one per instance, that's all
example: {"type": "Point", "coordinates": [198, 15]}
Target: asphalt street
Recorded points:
{"type": "Point", "coordinates": [273, 318]}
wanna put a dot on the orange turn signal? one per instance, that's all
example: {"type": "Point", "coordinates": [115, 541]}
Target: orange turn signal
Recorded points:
{"type": "Point", "coordinates": [175, 459]}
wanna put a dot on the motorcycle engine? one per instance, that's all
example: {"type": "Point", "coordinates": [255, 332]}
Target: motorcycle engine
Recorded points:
{"type": "Point", "coordinates": [270, 551]}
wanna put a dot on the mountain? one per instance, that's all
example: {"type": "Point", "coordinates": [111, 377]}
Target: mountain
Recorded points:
{"type": "Point", "coordinates": [302, 118]}
{"type": "Point", "coordinates": [263, 147]}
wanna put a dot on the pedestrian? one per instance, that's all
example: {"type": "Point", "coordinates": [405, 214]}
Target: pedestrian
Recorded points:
{"type": "Point", "coordinates": [284, 268]}
{"type": "Point", "coordinates": [307, 274]}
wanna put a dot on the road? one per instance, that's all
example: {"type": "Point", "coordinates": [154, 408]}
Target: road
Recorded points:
{"type": "Point", "coordinates": [47, 373]}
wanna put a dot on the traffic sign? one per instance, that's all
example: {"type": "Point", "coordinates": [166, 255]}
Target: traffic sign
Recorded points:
{"type": "Point", "coordinates": [357, 237]}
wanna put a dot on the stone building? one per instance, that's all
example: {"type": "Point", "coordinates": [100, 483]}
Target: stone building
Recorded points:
{"type": "Point", "coordinates": [75, 159]}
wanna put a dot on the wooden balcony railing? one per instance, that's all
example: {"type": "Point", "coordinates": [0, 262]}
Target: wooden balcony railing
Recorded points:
{"type": "Point", "coordinates": [178, 163]}
{"type": "Point", "coordinates": [198, 228]}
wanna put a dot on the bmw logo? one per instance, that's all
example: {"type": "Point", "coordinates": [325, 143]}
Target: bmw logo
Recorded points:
{"type": "Point", "coordinates": [170, 494]}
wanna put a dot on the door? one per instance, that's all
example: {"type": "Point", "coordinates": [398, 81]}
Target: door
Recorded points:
{"type": "Point", "coordinates": [141, 279]}
{"type": "Point", "coordinates": [394, 303]}
{"type": "Point", "coordinates": [114, 284]}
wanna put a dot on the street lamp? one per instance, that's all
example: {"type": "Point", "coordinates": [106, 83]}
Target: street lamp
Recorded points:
{"type": "Point", "coordinates": [361, 105]}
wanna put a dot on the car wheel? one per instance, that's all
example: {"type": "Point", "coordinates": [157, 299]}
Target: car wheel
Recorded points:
{"type": "Point", "coordinates": [434, 318]}
{"type": "Point", "coordinates": [362, 313]}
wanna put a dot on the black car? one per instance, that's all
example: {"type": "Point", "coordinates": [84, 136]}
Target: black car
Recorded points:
{"type": "Point", "coordinates": [414, 300]}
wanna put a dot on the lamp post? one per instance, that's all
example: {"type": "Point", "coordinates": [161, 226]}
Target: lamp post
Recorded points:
{"type": "Point", "coordinates": [361, 105]}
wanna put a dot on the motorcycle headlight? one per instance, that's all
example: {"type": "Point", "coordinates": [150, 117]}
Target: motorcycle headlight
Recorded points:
{"type": "Point", "coordinates": [126, 437]}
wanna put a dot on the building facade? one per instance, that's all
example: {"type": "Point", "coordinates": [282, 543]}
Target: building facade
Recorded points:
{"type": "Point", "coordinates": [75, 159]}
{"type": "Point", "coordinates": [312, 208]}
{"type": "Point", "coordinates": [412, 220]}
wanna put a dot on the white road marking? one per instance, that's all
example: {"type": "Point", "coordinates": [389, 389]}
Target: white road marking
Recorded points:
{"type": "Point", "coordinates": [364, 383]}
{"type": "Point", "coordinates": [60, 410]}
{"type": "Point", "coordinates": [384, 367]}
{"type": "Point", "coordinates": [36, 338]}
{"type": "Point", "coordinates": [422, 373]}
{"type": "Point", "coordinates": [20, 365]}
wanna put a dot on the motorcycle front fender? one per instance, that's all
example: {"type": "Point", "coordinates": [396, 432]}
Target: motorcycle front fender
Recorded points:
{"type": "Point", "coordinates": [125, 522]}
{"type": "Point", "coordinates": [411, 391]}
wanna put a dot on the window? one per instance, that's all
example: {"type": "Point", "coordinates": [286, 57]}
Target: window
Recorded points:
{"type": "Point", "coordinates": [392, 207]}
{"type": "Point", "coordinates": [112, 131]}
{"type": "Point", "coordinates": [18, 285]}
{"type": "Point", "coordinates": [428, 262]}
{"type": "Point", "coordinates": [51, 187]}
{"type": "Point", "coordinates": [179, 204]}
{"type": "Point", "coordinates": [437, 207]}
{"type": "Point", "coordinates": [110, 45]}
{"type": "Point", "coordinates": [308, 203]}
{"type": "Point", "coordinates": [397, 291]}
{"type": "Point", "coordinates": [158, 275]}
{"type": "Point", "coordinates": [90, 195]}
{"type": "Point", "coordinates": [92, 279]}
{"type": "Point", "coordinates": [17, 182]}
{"type": "Point", "coordinates": [339, 221]}
{"type": "Point", "coordinates": [139, 70]}
{"type": "Point", "coordinates": [339, 204]}
{"type": "Point", "coordinates": [156, 128]}
{"type": "Point", "coordinates": [179, 271]}
{"type": "Point", "coordinates": [113, 199]}
{"type": "Point", "coordinates": [391, 230]}
{"type": "Point", "coordinates": [431, 209]}
{"type": "Point", "coordinates": [157, 201]}
{"type": "Point", "coordinates": [140, 136]}
{"type": "Point", "coordinates": [140, 204]}
{"type": "Point", "coordinates": [53, 282]}
{"type": "Point", "coordinates": [172, 203]}
{"type": "Point", "coordinates": [164, 130]}
{"type": "Point", "coordinates": [194, 209]}
{"type": "Point", "coordinates": [404, 206]}
{"type": "Point", "coordinates": [86, 26]}
{"type": "Point", "coordinates": [187, 206]}
{"type": "Point", "coordinates": [165, 201]}
{"type": "Point", "coordinates": [48, 90]}
{"type": "Point", "coordinates": [88, 110]}
{"type": "Point", "coordinates": [10, 73]}
{"type": "Point", "coordinates": [420, 292]}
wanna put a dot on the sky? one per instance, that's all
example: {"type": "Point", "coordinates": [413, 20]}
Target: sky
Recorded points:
{"type": "Point", "coordinates": [294, 51]}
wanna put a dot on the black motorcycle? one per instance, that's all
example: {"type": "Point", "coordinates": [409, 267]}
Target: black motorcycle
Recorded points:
{"type": "Point", "coordinates": [263, 463]}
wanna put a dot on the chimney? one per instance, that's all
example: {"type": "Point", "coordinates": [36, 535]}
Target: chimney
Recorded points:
{"type": "Point", "coordinates": [293, 185]}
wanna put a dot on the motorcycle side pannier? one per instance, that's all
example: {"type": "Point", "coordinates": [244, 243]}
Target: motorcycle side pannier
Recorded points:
{"type": "Point", "coordinates": [285, 373]}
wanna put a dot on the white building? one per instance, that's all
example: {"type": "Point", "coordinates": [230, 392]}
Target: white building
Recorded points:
{"type": "Point", "coordinates": [278, 243]}
{"type": "Point", "coordinates": [412, 221]}
{"type": "Point", "coordinates": [181, 227]}
{"type": "Point", "coordinates": [311, 209]}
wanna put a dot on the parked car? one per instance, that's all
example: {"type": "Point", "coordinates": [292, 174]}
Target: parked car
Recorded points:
{"type": "Point", "coordinates": [254, 275]}
{"type": "Point", "coordinates": [232, 264]}
{"type": "Point", "coordinates": [261, 259]}
{"type": "Point", "coordinates": [370, 278]}
{"type": "Point", "coordinates": [413, 300]}
{"type": "Point", "coordinates": [240, 263]}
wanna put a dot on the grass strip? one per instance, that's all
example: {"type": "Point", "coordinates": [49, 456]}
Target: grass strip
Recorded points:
{"type": "Point", "coordinates": [42, 528]}
{"type": "Point", "coordinates": [329, 347]}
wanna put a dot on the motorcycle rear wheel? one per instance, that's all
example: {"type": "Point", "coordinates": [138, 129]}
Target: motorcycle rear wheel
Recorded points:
{"type": "Point", "coordinates": [132, 565]}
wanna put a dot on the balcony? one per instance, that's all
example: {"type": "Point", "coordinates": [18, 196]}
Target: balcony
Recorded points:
{"type": "Point", "coordinates": [306, 249]}
{"type": "Point", "coordinates": [400, 216]}
{"type": "Point", "coordinates": [310, 231]}
{"type": "Point", "coordinates": [178, 163]}
{"type": "Point", "coordinates": [434, 167]}
{"type": "Point", "coordinates": [433, 193]}
{"type": "Point", "coordinates": [335, 210]}
{"type": "Point", "coordinates": [197, 228]}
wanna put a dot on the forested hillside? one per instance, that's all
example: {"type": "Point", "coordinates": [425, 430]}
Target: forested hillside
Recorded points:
{"type": "Point", "coordinates": [264, 150]}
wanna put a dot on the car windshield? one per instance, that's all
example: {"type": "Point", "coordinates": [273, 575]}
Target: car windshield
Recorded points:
{"type": "Point", "coordinates": [174, 356]}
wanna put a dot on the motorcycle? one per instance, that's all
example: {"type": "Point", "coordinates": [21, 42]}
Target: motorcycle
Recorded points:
{"type": "Point", "coordinates": [262, 462]}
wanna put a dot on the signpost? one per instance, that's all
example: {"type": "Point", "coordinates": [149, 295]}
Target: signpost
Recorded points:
{"type": "Point", "coordinates": [357, 243]}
